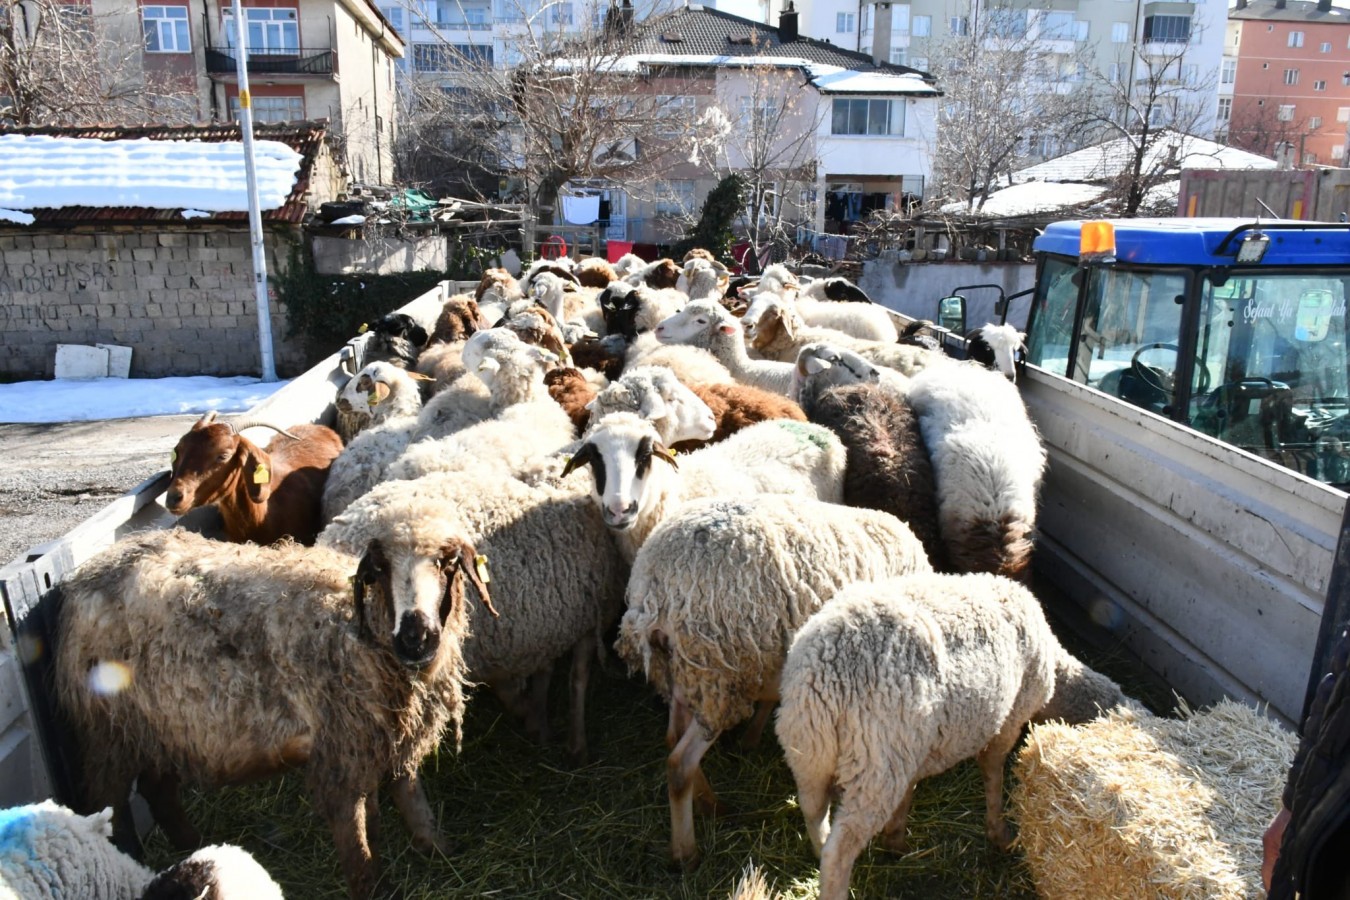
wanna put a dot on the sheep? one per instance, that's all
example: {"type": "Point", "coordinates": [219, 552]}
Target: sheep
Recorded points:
{"type": "Point", "coordinates": [778, 332]}
{"type": "Point", "coordinates": [262, 495]}
{"type": "Point", "coordinates": [863, 322]}
{"type": "Point", "coordinates": [631, 311]}
{"type": "Point", "coordinates": [571, 390]}
{"type": "Point", "coordinates": [595, 272]}
{"type": "Point", "coordinates": [897, 680]}
{"type": "Point", "coordinates": [550, 292]}
{"type": "Point", "coordinates": [605, 355]}
{"type": "Point", "coordinates": [219, 872]}
{"type": "Point", "coordinates": [249, 661]}
{"type": "Point", "coordinates": [497, 290]}
{"type": "Point", "coordinates": [888, 465]}
{"type": "Point", "coordinates": [653, 392]}
{"type": "Point", "coordinates": [705, 324]}
{"type": "Point", "coordinates": [460, 317]}
{"type": "Point", "coordinates": [442, 363]}
{"type": "Point", "coordinates": [821, 366]}
{"type": "Point", "coordinates": [714, 598]}
{"type": "Point", "coordinates": [703, 279]}
{"type": "Point", "coordinates": [397, 338]}
{"type": "Point", "coordinates": [988, 461]}
{"type": "Point", "coordinates": [50, 853]}
{"type": "Point", "coordinates": [916, 334]}
{"type": "Point", "coordinates": [691, 364]}
{"type": "Point", "coordinates": [488, 388]}
{"type": "Point", "coordinates": [836, 289]}
{"type": "Point", "coordinates": [995, 347]}
{"type": "Point", "coordinates": [635, 496]}
{"type": "Point", "coordinates": [364, 462]}
{"type": "Point", "coordinates": [737, 406]}
{"type": "Point", "coordinates": [663, 273]}
{"type": "Point", "coordinates": [628, 264]}
{"type": "Point", "coordinates": [555, 572]}
{"type": "Point", "coordinates": [379, 392]}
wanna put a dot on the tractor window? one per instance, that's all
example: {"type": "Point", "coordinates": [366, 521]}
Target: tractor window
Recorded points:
{"type": "Point", "coordinates": [1130, 335]}
{"type": "Point", "coordinates": [1271, 370]}
{"type": "Point", "coordinates": [1055, 304]}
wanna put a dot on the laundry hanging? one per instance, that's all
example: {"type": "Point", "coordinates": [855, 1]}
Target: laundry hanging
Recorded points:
{"type": "Point", "coordinates": [580, 210]}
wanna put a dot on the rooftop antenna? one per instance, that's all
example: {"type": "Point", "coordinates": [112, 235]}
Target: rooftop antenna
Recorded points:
{"type": "Point", "coordinates": [1270, 212]}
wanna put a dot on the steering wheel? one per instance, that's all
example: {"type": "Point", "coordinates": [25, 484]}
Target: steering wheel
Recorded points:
{"type": "Point", "coordinates": [1163, 380]}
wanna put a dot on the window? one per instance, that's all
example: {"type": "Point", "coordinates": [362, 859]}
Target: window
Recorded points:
{"type": "Point", "coordinates": [1120, 33]}
{"type": "Point", "coordinates": [898, 54]}
{"type": "Point", "coordinates": [270, 31]}
{"type": "Point", "coordinates": [674, 113]}
{"type": "Point", "coordinates": [1338, 151]}
{"type": "Point", "coordinates": [920, 63]}
{"type": "Point", "coordinates": [1310, 159]}
{"type": "Point", "coordinates": [868, 117]}
{"type": "Point", "coordinates": [561, 14]}
{"type": "Point", "coordinates": [1115, 73]}
{"type": "Point", "coordinates": [1314, 123]}
{"type": "Point", "coordinates": [1225, 109]}
{"type": "Point", "coordinates": [843, 23]}
{"type": "Point", "coordinates": [1325, 48]}
{"type": "Point", "coordinates": [1291, 76]}
{"type": "Point", "coordinates": [1057, 26]}
{"type": "Point", "coordinates": [1042, 146]}
{"type": "Point", "coordinates": [900, 19]}
{"type": "Point", "coordinates": [1007, 23]}
{"type": "Point", "coordinates": [1295, 39]}
{"type": "Point", "coordinates": [1286, 113]}
{"type": "Point", "coordinates": [440, 57]}
{"type": "Point", "coordinates": [923, 26]}
{"type": "Point", "coordinates": [1228, 74]}
{"type": "Point", "coordinates": [166, 29]}
{"type": "Point", "coordinates": [1190, 74]}
{"type": "Point", "coordinates": [959, 25]}
{"type": "Point", "coordinates": [759, 116]}
{"type": "Point", "coordinates": [675, 198]}
{"type": "Point", "coordinates": [273, 109]}
{"type": "Point", "coordinates": [1167, 29]}
{"type": "Point", "coordinates": [395, 16]}
{"type": "Point", "coordinates": [1319, 85]}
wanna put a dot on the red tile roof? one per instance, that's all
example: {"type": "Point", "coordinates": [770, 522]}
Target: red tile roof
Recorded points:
{"type": "Point", "coordinates": [305, 138]}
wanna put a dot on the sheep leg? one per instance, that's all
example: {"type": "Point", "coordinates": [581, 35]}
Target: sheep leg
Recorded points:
{"type": "Point", "coordinates": [346, 816]}
{"type": "Point", "coordinates": [160, 791]}
{"type": "Point", "coordinates": [411, 801]}
{"type": "Point", "coordinates": [894, 836]}
{"type": "Point", "coordinates": [846, 842]}
{"type": "Point", "coordinates": [677, 723]}
{"type": "Point", "coordinates": [683, 778]}
{"type": "Point", "coordinates": [813, 796]}
{"type": "Point", "coordinates": [991, 760]}
{"type": "Point", "coordinates": [581, 673]}
{"type": "Point", "coordinates": [373, 820]}
{"type": "Point", "coordinates": [755, 730]}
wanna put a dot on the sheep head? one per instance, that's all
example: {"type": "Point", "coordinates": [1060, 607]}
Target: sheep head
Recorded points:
{"type": "Point", "coordinates": [822, 365]}
{"type": "Point", "coordinates": [619, 304]}
{"type": "Point", "coordinates": [620, 450]}
{"type": "Point", "coordinates": [208, 462]}
{"type": "Point", "coordinates": [657, 395]}
{"type": "Point", "coordinates": [697, 324]}
{"type": "Point", "coordinates": [420, 593]}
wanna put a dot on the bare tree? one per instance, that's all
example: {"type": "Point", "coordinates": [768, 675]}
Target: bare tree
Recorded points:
{"type": "Point", "coordinates": [1269, 129]}
{"type": "Point", "coordinates": [1150, 96]}
{"type": "Point", "coordinates": [1008, 99]}
{"type": "Point", "coordinates": [61, 64]}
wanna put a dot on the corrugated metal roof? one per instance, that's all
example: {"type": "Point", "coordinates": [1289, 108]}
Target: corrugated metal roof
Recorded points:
{"type": "Point", "coordinates": [306, 138]}
{"type": "Point", "coordinates": [1294, 11]}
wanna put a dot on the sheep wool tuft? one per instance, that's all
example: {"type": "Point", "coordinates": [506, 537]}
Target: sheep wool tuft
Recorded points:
{"type": "Point", "coordinates": [219, 872]}
{"type": "Point", "coordinates": [48, 852]}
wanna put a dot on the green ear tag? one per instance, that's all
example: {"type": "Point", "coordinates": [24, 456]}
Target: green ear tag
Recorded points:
{"type": "Point", "coordinates": [365, 326]}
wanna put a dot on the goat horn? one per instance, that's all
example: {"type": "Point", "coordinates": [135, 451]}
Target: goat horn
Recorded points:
{"type": "Point", "coordinates": [254, 423]}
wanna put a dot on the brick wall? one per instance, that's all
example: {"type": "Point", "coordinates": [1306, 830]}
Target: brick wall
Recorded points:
{"type": "Point", "coordinates": [182, 300]}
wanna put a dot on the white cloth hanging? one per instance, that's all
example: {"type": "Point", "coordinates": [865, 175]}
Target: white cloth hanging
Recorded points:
{"type": "Point", "coordinates": [580, 210]}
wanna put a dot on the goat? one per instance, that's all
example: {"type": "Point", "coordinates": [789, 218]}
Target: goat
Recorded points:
{"type": "Point", "coordinates": [262, 495]}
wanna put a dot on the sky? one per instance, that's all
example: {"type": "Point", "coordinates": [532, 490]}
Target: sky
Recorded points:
{"type": "Point", "coordinates": [71, 400]}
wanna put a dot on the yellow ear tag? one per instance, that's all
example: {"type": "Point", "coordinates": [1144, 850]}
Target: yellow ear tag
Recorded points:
{"type": "Point", "coordinates": [674, 452]}
{"type": "Point", "coordinates": [261, 474]}
{"type": "Point", "coordinates": [480, 566]}
{"type": "Point", "coordinates": [378, 394]}
{"type": "Point", "coordinates": [373, 398]}
{"type": "Point", "coordinates": [365, 326]}
{"type": "Point", "coordinates": [173, 457]}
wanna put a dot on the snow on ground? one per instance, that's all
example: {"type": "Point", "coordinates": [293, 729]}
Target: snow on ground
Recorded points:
{"type": "Point", "coordinates": [70, 400]}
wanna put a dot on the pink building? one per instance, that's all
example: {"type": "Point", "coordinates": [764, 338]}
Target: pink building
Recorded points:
{"type": "Point", "coordinates": [1287, 66]}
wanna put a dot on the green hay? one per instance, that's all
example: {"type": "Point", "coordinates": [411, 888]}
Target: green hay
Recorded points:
{"type": "Point", "coordinates": [524, 825]}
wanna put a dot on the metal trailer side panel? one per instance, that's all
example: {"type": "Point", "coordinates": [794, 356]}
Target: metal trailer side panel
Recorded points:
{"type": "Point", "coordinates": [1210, 563]}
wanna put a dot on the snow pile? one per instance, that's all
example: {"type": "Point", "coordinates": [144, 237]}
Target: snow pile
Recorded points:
{"type": "Point", "coordinates": [120, 398]}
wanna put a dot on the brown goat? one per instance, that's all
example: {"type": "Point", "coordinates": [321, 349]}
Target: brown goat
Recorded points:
{"type": "Point", "coordinates": [459, 318]}
{"type": "Point", "coordinates": [737, 406]}
{"type": "Point", "coordinates": [263, 495]}
{"type": "Point", "coordinates": [572, 392]}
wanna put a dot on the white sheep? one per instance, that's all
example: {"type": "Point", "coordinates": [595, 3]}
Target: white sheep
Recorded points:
{"type": "Point", "coordinates": [715, 596]}
{"type": "Point", "coordinates": [218, 872]}
{"type": "Point", "coordinates": [635, 495]}
{"type": "Point", "coordinates": [379, 392]}
{"type": "Point", "coordinates": [703, 279]}
{"type": "Point", "coordinates": [362, 464]}
{"type": "Point", "coordinates": [183, 658]}
{"type": "Point", "coordinates": [655, 394]}
{"type": "Point", "coordinates": [707, 325]}
{"type": "Point", "coordinates": [498, 384]}
{"type": "Point", "coordinates": [565, 303]}
{"type": "Point", "coordinates": [897, 680]}
{"type": "Point", "coordinates": [691, 364]}
{"type": "Point", "coordinates": [988, 462]}
{"type": "Point", "coordinates": [995, 347]}
{"type": "Point", "coordinates": [861, 320]}
{"type": "Point", "coordinates": [628, 264]}
{"type": "Point", "coordinates": [555, 573]}
{"type": "Point", "coordinates": [48, 852]}
{"type": "Point", "coordinates": [778, 332]}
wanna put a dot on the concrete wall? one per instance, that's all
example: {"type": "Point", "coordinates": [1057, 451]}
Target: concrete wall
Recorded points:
{"type": "Point", "coordinates": [183, 301]}
{"type": "Point", "coordinates": [339, 256]}
{"type": "Point", "coordinates": [914, 288]}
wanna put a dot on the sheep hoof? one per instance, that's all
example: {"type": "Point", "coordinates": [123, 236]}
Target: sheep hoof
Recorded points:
{"type": "Point", "coordinates": [438, 844]}
{"type": "Point", "coordinates": [897, 842]}
{"type": "Point", "coordinates": [687, 864]}
{"type": "Point", "coordinates": [1001, 837]}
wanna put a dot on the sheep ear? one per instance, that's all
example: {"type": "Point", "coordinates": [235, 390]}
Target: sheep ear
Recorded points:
{"type": "Point", "coordinates": [653, 407]}
{"type": "Point", "coordinates": [727, 329]}
{"type": "Point", "coordinates": [379, 392]}
{"type": "Point", "coordinates": [815, 365]}
{"type": "Point", "coordinates": [367, 573]}
{"type": "Point", "coordinates": [489, 365]}
{"type": "Point", "coordinates": [475, 570]}
{"type": "Point", "coordinates": [661, 452]}
{"type": "Point", "coordinates": [584, 456]}
{"type": "Point", "coordinates": [258, 480]}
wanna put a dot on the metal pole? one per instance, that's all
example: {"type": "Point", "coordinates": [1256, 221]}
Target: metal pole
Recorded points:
{"type": "Point", "coordinates": [269, 370]}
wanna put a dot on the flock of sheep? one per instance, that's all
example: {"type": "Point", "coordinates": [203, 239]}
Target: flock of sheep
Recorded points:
{"type": "Point", "coordinates": [787, 502]}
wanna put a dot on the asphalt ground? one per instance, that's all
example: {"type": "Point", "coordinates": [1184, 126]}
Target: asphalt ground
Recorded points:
{"type": "Point", "coordinates": [52, 477]}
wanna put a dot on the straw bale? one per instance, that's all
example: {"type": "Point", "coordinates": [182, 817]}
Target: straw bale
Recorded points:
{"type": "Point", "coordinates": [1134, 805]}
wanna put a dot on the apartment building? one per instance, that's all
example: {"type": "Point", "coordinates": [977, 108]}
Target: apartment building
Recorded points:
{"type": "Point", "coordinates": [1285, 81]}
{"type": "Point", "coordinates": [307, 59]}
{"type": "Point", "coordinates": [1082, 40]}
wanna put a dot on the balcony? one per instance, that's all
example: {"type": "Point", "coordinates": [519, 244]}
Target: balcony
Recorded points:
{"type": "Point", "coordinates": [462, 25]}
{"type": "Point", "coordinates": [271, 61]}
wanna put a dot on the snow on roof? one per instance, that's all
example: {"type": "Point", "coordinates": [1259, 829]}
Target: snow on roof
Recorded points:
{"type": "Point", "coordinates": [1031, 198]}
{"type": "Point", "coordinates": [827, 78]}
{"type": "Point", "coordinates": [40, 172]}
{"type": "Point", "coordinates": [1171, 152]}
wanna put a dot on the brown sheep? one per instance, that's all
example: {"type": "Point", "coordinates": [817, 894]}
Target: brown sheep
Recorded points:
{"type": "Point", "coordinates": [737, 406]}
{"type": "Point", "coordinates": [459, 318]}
{"type": "Point", "coordinates": [700, 253]}
{"type": "Point", "coordinates": [262, 495]}
{"type": "Point", "coordinates": [572, 392]}
{"type": "Point", "coordinates": [595, 272]}
{"type": "Point", "coordinates": [249, 661]}
{"type": "Point", "coordinates": [605, 355]}
{"type": "Point", "coordinates": [497, 284]}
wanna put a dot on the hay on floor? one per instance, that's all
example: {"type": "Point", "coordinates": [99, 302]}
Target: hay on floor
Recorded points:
{"type": "Point", "coordinates": [1135, 805]}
